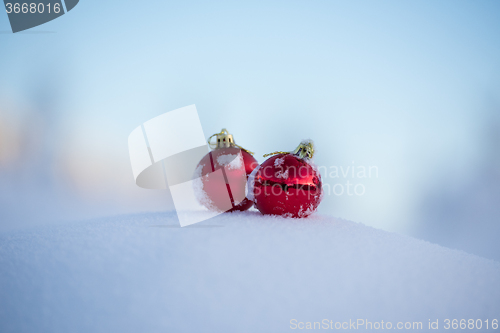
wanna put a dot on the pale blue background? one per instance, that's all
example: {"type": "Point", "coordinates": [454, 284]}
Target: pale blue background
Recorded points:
{"type": "Point", "coordinates": [411, 87]}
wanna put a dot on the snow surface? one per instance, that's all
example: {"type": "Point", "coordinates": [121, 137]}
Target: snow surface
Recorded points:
{"type": "Point", "coordinates": [238, 272]}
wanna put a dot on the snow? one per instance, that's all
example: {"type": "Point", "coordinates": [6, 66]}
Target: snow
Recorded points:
{"type": "Point", "coordinates": [238, 272]}
{"type": "Point", "coordinates": [308, 210]}
{"type": "Point", "coordinates": [281, 174]}
{"type": "Point", "coordinates": [279, 161]}
{"type": "Point", "coordinates": [231, 161]}
{"type": "Point", "coordinates": [199, 193]}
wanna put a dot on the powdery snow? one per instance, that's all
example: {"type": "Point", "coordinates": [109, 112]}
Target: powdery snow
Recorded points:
{"type": "Point", "coordinates": [231, 161]}
{"type": "Point", "coordinates": [200, 194]}
{"type": "Point", "coordinates": [279, 161]}
{"type": "Point", "coordinates": [239, 272]}
{"type": "Point", "coordinates": [281, 174]}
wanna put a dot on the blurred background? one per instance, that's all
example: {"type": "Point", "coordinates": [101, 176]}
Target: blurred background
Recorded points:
{"type": "Point", "coordinates": [411, 88]}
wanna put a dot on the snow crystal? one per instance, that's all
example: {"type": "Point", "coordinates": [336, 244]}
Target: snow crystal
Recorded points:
{"type": "Point", "coordinates": [281, 174]}
{"type": "Point", "coordinates": [279, 161]}
{"type": "Point", "coordinates": [306, 212]}
{"type": "Point", "coordinates": [231, 161]}
{"type": "Point", "coordinates": [307, 141]}
{"type": "Point", "coordinates": [199, 193]}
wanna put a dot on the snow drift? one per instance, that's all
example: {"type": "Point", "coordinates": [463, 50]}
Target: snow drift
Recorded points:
{"type": "Point", "coordinates": [238, 272]}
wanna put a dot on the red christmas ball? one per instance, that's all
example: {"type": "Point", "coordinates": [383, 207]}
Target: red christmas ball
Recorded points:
{"type": "Point", "coordinates": [214, 187]}
{"type": "Point", "coordinates": [286, 184]}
